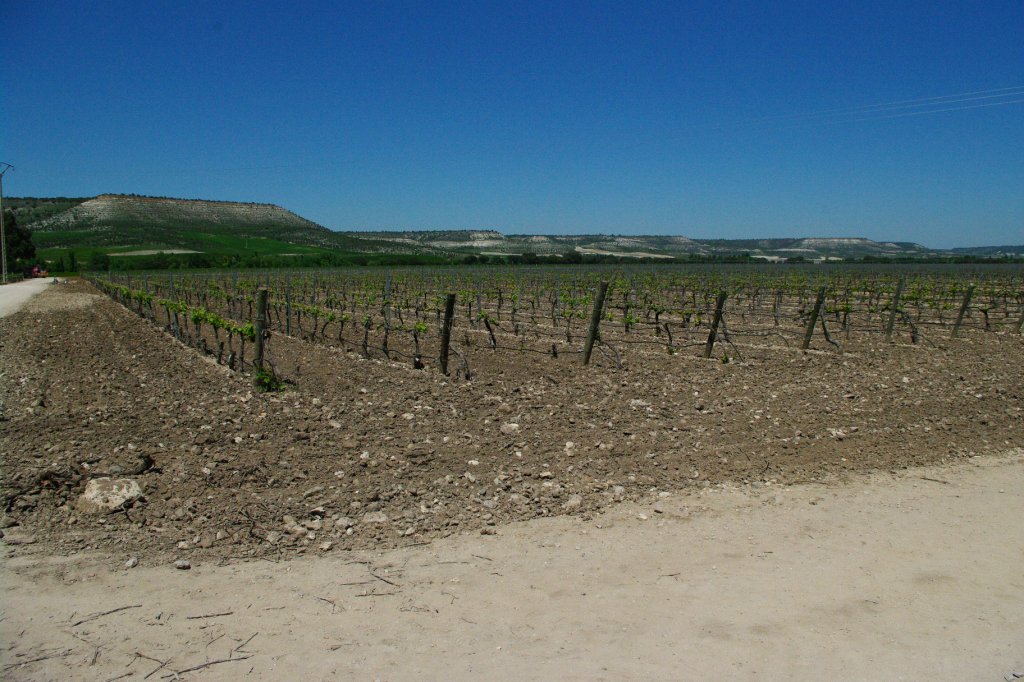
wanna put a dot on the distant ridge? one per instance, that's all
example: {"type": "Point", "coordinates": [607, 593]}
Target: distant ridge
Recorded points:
{"type": "Point", "coordinates": [145, 198]}
{"type": "Point", "coordinates": [655, 247]}
{"type": "Point", "coordinates": [121, 223]}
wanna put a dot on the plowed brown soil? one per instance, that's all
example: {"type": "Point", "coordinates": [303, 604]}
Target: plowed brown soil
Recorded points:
{"type": "Point", "coordinates": [368, 453]}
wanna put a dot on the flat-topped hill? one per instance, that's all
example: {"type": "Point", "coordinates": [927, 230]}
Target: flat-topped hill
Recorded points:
{"type": "Point", "coordinates": [130, 224]}
{"type": "Point", "coordinates": [126, 220]}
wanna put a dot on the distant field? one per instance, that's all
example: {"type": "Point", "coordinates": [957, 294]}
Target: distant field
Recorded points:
{"type": "Point", "coordinates": [197, 242]}
{"type": "Point", "coordinates": [211, 242]}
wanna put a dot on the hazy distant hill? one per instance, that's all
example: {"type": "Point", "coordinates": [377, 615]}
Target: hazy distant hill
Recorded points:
{"type": "Point", "coordinates": [992, 251]}
{"type": "Point", "coordinates": [492, 242]}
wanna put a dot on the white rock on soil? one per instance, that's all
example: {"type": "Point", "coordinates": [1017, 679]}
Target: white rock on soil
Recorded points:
{"type": "Point", "coordinates": [510, 429]}
{"type": "Point", "coordinates": [104, 495]}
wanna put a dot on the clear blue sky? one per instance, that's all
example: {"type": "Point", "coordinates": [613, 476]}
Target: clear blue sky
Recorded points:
{"type": "Point", "coordinates": [692, 118]}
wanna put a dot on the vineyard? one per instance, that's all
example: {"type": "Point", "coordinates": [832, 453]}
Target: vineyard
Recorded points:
{"type": "Point", "coordinates": [461, 321]}
{"type": "Point", "coordinates": [367, 436]}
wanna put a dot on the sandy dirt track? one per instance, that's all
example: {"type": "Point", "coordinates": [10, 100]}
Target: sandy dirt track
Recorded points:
{"type": "Point", "coordinates": [911, 577]}
{"type": "Point", "coordinates": [14, 296]}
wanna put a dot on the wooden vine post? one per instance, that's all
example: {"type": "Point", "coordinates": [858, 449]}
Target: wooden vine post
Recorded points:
{"type": "Point", "coordinates": [594, 333]}
{"type": "Point", "coordinates": [963, 309]}
{"type": "Point", "coordinates": [288, 305]}
{"type": "Point", "coordinates": [894, 306]}
{"type": "Point", "coordinates": [260, 325]}
{"type": "Point", "coordinates": [446, 331]}
{"type": "Point", "coordinates": [709, 347]}
{"type": "Point", "coordinates": [814, 319]}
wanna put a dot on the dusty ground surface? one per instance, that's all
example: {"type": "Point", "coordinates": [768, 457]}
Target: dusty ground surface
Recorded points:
{"type": "Point", "coordinates": [915, 576]}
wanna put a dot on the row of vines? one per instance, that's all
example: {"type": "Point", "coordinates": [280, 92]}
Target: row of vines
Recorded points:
{"type": "Point", "coordinates": [399, 314]}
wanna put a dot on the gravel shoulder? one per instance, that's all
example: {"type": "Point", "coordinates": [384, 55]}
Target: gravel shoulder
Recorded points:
{"type": "Point", "coordinates": [909, 576]}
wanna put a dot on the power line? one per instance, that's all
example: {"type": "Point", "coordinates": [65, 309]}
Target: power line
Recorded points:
{"type": "Point", "coordinates": [1012, 91]}
{"type": "Point", "coordinates": [893, 107]}
{"type": "Point", "coordinates": [925, 105]}
{"type": "Point", "coordinates": [866, 118]}
{"type": "Point", "coordinates": [936, 111]}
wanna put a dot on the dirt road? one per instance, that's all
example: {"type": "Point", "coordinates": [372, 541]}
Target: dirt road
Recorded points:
{"type": "Point", "coordinates": [14, 296]}
{"type": "Point", "coordinates": [914, 577]}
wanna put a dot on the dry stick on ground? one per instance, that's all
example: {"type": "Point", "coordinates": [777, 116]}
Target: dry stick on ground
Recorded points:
{"type": "Point", "coordinates": [16, 664]}
{"type": "Point", "coordinates": [210, 615]}
{"type": "Point", "coordinates": [239, 647]}
{"type": "Point", "coordinates": [105, 613]}
{"type": "Point", "coordinates": [328, 601]}
{"type": "Point", "coordinates": [163, 664]}
{"type": "Point", "coordinates": [384, 579]}
{"type": "Point", "coordinates": [205, 665]}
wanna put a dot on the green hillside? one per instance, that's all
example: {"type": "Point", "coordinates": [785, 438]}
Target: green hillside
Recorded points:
{"type": "Point", "coordinates": [112, 220]}
{"type": "Point", "coordinates": [30, 210]}
{"type": "Point", "coordinates": [194, 232]}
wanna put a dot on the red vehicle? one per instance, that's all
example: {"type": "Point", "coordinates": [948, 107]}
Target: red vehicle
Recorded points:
{"type": "Point", "coordinates": [37, 271]}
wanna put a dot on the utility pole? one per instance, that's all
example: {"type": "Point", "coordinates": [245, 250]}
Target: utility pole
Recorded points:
{"type": "Point", "coordinates": [4, 167]}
